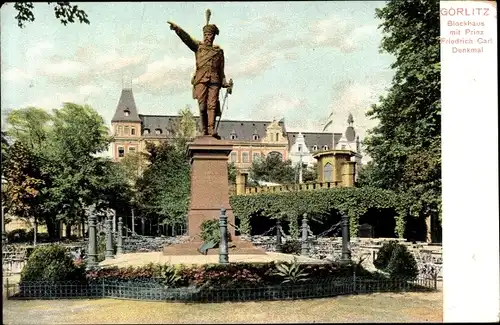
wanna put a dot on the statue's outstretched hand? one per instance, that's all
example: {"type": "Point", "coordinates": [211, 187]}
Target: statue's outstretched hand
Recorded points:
{"type": "Point", "coordinates": [172, 25]}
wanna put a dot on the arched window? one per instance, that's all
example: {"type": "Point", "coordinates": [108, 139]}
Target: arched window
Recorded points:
{"type": "Point", "coordinates": [256, 137]}
{"type": "Point", "coordinates": [158, 131]}
{"type": "Point", "coordinates": [328, 173]}
{"type": "Point", "coordinates": [325, 147]}
{"type": "Point", "coordinates": [126, 112]}
{"type": "Point", "coordinates": [315, 148]}
{"type": "Point", "coordinates": [146, 131]}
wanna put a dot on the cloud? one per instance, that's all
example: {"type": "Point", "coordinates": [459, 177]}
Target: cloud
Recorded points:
{"type": "Point", "coordinates": [252, 66]}
{"type": "Point", "coordinates": [356, 97]}
{"type": "Point", "coordinates": [276, 106]}
{"type": "Point", "coordinates": [166, 76]}
{"type": "Point", "coordinates": [38, 50]}
{"type": "Point", "coordinates": [16, 75]}
{"type": "Point", "coordinates": [65, 68]}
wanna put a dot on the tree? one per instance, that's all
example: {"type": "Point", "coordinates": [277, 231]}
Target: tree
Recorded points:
{"type": "Point", "coordinates": [273, 169]}
{"type": "Point", "coordinates": [231, 173]}
{"type": "Point", "coordinates": [64, 11]}
{"type": "Point", "coordinates": [184, 130]}
{"type": "Point", "coordinates": [25, 183]}
{"type": "Point", "coordinates": [163, 189]}
{"type": "Point", "coordinates": [62, 148]}
{"type": "Point", "coordinates": [409, 116]}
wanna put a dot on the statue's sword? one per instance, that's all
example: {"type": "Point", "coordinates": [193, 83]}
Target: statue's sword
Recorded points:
{"type": "Point", "coordinates": [229, 90]}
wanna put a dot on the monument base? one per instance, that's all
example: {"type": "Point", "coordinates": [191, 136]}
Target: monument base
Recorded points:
{"type": "Point", "coordinates": [209, 183]}
{"type": "Point", "coordinates": [209, 193]}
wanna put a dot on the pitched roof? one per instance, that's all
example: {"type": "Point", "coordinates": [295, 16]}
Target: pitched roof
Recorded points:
{"type": "Point", "coordinates": [126, 104]}
{"type": "Point", "coordinates": [244, 130]}
{"type": "Point", "coordinates": [319, 139]}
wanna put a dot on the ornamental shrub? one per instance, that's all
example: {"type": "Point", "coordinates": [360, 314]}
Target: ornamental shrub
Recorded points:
{"type": "Point", "coordinates": [52, 263]}
{"type": "Point", "coordinates": [291, 246]}
{"type": "Point", "coordinates": [210, 231]}
{"type": "Point", "coordinates": [395, 259]}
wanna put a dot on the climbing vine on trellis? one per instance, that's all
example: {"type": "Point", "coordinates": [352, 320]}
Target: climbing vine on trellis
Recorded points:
{"type": "Point", "coordinates": [318, 204]}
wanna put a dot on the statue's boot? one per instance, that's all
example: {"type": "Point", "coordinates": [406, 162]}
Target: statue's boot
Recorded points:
{"type": "Point", "coordinates": [204, 119]}
{"type": "Point", "coordinates": [211, 123]}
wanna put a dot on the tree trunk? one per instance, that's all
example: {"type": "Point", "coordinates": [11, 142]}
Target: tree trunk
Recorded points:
{"type": "Point", "coordinates": [51, 228]}
{"type": "Point", "coordinates": [428, 226]}
{"type": "Point", "coordinates": [143, 226]}
{"type": "Point", "coordinates": [68, 229]}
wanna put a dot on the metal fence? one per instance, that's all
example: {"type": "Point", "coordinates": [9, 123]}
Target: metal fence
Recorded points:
{"type": "Point", "coordinates": [154, 290]}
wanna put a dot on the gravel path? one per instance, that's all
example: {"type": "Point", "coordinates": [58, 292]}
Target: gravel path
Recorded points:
{"type": "Point", "coordinates": [406, 307]}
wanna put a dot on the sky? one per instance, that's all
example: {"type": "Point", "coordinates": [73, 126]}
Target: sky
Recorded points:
{"type": "Point", "coordinates": [297, 60]}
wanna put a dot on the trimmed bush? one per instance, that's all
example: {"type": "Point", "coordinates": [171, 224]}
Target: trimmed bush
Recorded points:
{"type": "Point", "coordinates": [52, 263]}
{"type": "Point", "coordinates": [210, 231]}
{"type": "Point", "coordinates": [397, 260]}
{"type": "Point", "coordinates": [291, 246]}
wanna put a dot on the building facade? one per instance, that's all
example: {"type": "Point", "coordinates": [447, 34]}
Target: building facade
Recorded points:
{"type": "Point", "coordinates": [251, 139]}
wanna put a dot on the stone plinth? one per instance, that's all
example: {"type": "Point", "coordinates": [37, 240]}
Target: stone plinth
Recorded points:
{"type": "Point", "coordinates": [209, 182]}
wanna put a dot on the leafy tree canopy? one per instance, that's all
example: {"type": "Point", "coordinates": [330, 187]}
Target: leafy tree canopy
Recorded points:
{"type": "Point", "coordinates": [64, 11]}
{"type": "Point", "coordinates": [406, 144]}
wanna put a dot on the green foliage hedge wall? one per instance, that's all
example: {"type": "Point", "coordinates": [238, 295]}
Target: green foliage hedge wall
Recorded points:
{"type": "Point", "coordinates": [318, 204]}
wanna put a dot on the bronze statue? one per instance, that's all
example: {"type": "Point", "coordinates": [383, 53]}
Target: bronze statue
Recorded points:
{"type": "Point", "coordinates": [209, 76]}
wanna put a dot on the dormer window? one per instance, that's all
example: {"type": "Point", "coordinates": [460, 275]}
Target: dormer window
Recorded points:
{"type": "Point", "coordinates": [158, 131]}
{"type": "Point", "coordinates": [299, 148]}
{"type": "Point", "coordinates": [146, 131]}
{"type": "Point", "coordinates": [325, 147]}
{"type": "Point", "coordinates": [315, 148]}
{"type": "Point", "coordinates": [256, 137]}
{"type": "Point", "coordinates": [232, 136]}
{"type": "Point", "coordinates": [126, 112]}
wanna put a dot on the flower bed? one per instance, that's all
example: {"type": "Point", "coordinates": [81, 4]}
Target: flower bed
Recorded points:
{"type": "Point", "coordinates": [219, 282]}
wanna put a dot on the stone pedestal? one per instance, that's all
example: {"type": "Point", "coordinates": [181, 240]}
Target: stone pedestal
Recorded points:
{"type": "Point", "coordinates": [209, 183]}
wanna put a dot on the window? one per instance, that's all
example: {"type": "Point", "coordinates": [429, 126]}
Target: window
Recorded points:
{"type": "Point", "coordinates": [277, 136]}
{"type": "Point", "coordinates": [127, 130]}
{"type": "Point", "coordinates": [127, 112]}
{"type": "Point", "coordinates": [315, 147]}
{"type": "Point", "coordinates": [146, 131]}
{"type": "Point", "coordinates": [157, 131]}
{"type": "Point", "coordinates": [121, 151]}
{"type": "Point", "coordinates": [120, 130]}
{"type": "Point", "coordinates": [343, 147]}
{"type": "Point", "coordinates": [328, 173]}
{"type": "Point", "coordinates": [299, 148]}
{"type": "Point", "coordinates": [256, 137]}
{"type": "Point", "coordinates": [245, 157]}
{"type": "Point", "coordinates": [132, 131]}
{"type": "Point", "coordinates": [256, 156]}
{"type": "Point", "coordinates": [233, 136]}
{"type": "Point", "coordinates": [233, 157]}
{"type": "Point", "coordinates": [131, 149]}
{"type": "Point", "coordinates": [325, 147]}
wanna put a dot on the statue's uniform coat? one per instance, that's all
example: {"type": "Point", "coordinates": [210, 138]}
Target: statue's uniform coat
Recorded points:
{"type": "Point", "coordinates": [208, 78]}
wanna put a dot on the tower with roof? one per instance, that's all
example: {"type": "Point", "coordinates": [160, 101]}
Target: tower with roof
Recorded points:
{"type": "Point", "coordinates": [126, 126]}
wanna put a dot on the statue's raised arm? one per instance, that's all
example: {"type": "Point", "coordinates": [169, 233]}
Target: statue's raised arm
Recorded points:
{"type": "Point", "coordinates": [185, 37]}
{"type": "Point", "coordinates": [209, 76]}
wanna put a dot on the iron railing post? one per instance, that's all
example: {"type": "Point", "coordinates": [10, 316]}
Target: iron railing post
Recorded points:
{"type": "Point", "coordinates": [223, 246]}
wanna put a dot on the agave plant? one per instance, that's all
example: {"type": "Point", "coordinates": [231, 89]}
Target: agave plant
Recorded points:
{"type": "Point", "coordinates": [291, 272]}
{"type": "Point", "coordinates": [170, 276]}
